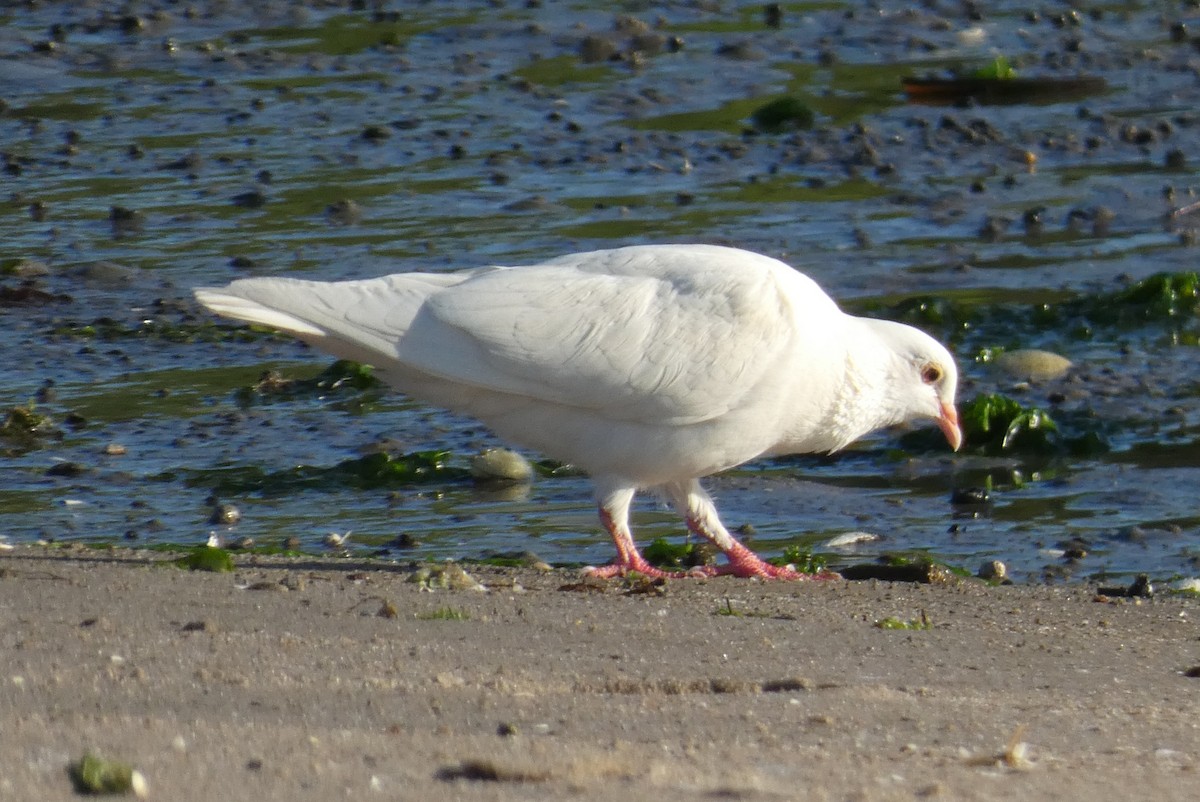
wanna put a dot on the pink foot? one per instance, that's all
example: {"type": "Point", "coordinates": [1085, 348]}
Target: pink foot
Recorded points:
{"type": "Point", "coordinates": [743, 562]}
{"type": "Point", "coordinates": [639, 565]}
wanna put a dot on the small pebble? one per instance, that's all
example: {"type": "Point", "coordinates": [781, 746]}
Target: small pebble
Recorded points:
{"type": "Point", "coordinates": [970, 495]}
{"type": "Point", "coordinates": [335, 541]}
{"type": "Point", "coordinates": [993, 570]}
{"type": "Point", "coordinates": [501, 464]}
{"type": "Point", "coordinates": [343, 212]}
{"type": "Point", "coordinates": [405, 541]}
{"type": "Point", "coordinates": [1028, 364]}
{"type": "Point", "coordinates": [849, 539]}
{"type": "Point", "coordinates": [225, 515]}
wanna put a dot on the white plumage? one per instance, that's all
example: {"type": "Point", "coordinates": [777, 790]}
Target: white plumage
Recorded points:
{"type": "Point", "coordinates": [647, 366]}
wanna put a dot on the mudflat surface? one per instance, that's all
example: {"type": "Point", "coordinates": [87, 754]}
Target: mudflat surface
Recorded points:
{"type": "Point", "coordinates": [325, 679]}
{"type": "Point", "coordinates": [151, 147]}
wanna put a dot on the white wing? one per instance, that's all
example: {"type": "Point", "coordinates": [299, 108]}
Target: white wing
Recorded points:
{"type": "Point", "coordinates": [658, 334]}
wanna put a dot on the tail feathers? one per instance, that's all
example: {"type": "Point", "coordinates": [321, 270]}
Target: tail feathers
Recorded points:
{"type": "Point", "coordinates": [224, 303]}
{"type": "Point", "coordinates": [362, 320]}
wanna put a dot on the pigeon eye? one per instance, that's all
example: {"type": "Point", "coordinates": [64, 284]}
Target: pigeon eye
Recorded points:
{"type": "Point", "coordinates": [931, 374]}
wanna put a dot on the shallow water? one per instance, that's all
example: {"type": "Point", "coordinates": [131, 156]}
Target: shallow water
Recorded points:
{"type": "Point", "coordinates": [476, 133]}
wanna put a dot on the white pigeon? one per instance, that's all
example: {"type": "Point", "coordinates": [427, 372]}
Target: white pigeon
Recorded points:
{"type": "Point", "coordinates": [647, 366]}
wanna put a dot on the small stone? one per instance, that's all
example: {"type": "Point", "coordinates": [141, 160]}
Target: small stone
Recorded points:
{"type": "Point", "coordinates": [343, 212]}
{"type": "Point", "coordinates": [375, 133]}
{"type": "Point", "coordinates": [199, 626]}
{"type": "Point", "coordinates": [404, 541]}
{"type": "Point", "coordinates": [68, 470]}
{"type": "Point", "coordinates": [1140, 587]}
{"type": "Point", "coordinates": [1030, 364]}
{"type": "Point", "coordinates": [597, 48]}
{"type": "Point", "coordinates": [125, 221]}
{"type": "Point", "coordinates": [30, 268]}
{"type": "Point", "coordinates": [993, 570]}
{"type": "Point", "coordinates": [189, 162]}
{"type": "Point", "coordinates": [253, 199]}
{"type": "Point", "coordinates": [225, 515]}
{"type": "Point", "coordinates": [850, 540]}
{"type": "Point", "coordinates": [970, 495]}
{"type": "Point", "coordinates": [501, 464]}
{"type": "Point", "coordinates": [531, 560]}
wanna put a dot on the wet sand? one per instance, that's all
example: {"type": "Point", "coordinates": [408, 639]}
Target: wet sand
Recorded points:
{"type": "Point", "coordinates": [326, 678]}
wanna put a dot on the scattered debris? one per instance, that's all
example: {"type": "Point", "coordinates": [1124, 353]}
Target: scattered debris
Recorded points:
{"type": "Point", "coordinates": [1139, 588]}
{"type": "Point", "coordinates": [922, 623]}
{"type": "Point", "coordinates": [449, 576]}
{"type": "Point", "coordinates": [97, 776]}
{"type": "Point", "coordinates": [1015, 754]}
{"type": "Point", "coordinates": [490, 771]}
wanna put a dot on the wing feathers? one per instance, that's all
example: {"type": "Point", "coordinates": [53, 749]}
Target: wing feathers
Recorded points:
{"type": "Point", "coordinates": [657, 334]}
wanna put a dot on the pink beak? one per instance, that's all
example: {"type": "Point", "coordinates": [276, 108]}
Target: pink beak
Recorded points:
{"type": "Point", "coordinates": [948, 423]}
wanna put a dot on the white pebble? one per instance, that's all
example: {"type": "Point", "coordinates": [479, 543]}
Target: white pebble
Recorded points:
{"type": "Point", "coordinates": [849, 539]}
{"type": "Point", "coordinates": [501, 464]}
{"type": "Point", "coordinates": [1030, 364]}
{"type": "Point", "coordinates": [137, 783]}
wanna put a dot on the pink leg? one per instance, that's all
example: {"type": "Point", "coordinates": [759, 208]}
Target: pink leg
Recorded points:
{"type": "Point", "coordinates": [614, 514]}
{"type": "Point", "coordinates": [698, 510]}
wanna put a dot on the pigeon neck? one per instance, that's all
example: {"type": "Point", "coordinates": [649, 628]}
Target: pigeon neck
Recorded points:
{"type": "Point", "coordinates": [864, 402]}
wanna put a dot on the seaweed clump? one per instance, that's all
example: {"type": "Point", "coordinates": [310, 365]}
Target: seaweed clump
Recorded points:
{"type": "Point", "coordinates": [25, 429]}
{"type": "Point", "coordinates": [341, 375]}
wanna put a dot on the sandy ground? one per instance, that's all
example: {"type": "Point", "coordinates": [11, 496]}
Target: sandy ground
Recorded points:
{"type": "Point", "coordinates": [289, 679]}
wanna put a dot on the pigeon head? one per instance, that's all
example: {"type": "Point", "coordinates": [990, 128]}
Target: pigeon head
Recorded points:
{"type": "Point", "coordinates": [921, 378]}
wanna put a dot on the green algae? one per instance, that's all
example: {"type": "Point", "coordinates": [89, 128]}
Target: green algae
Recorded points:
{"type": "Point", "coordinates": [995, 423]}
{"type": "Point", "coordinates": [662, 553]}
{"type": "Point", "coordinates": [803, 559]}
{"type": "Point", "coordinates": [911, 624]}
{"type": "Point", "coordinates": [207, 558]}
{"type": "Point", "coordinates": [373, 471]}
{"type": "Point", "coordinates": [341, 375]}
{"type": "Point", "coordinates": [25, 429]}
{"type": "Point", "coordinates": [782, 114]}
{"type": "Point", "coordinates": [99, 776]}
{"type": "Point", "coordinates": [445, 614]}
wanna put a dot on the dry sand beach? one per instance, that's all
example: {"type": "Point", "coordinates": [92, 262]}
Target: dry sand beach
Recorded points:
{"type": "Point", "coordinates": [323, 679]}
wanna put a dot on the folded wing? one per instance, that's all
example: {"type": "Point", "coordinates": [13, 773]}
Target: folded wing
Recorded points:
{"type": "Point", "coordinates": [669, 336]}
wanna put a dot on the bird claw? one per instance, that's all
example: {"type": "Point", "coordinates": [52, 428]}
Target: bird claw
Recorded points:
{"type": "Point", "coordinates": [645, 569]}
{"type": "Point", "coordinates": [745, 563]}
{"type": "Point", "coordinates": [741, 568]}
{"type": "Point", "coordinates": [768, 571]}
